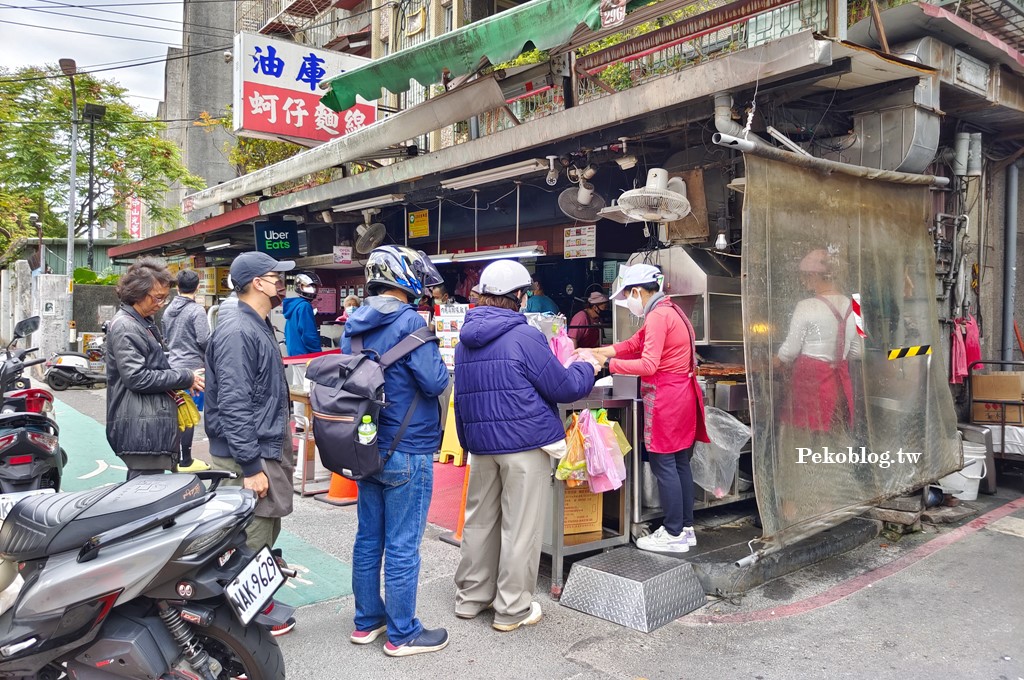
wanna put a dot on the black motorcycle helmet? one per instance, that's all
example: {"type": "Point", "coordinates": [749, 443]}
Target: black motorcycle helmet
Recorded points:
{"type": "Point", "coordinates": [307, 285]}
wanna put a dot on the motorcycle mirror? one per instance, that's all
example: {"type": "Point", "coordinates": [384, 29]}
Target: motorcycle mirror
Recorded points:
{"type": "Point", "coordinates": [25, 328]}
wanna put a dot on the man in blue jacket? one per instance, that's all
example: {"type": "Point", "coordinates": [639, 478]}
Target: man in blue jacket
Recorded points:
{"type": "Point", "coordinates": [392, 505]}
{"type": "Point", "coordinates": [300, 332]}
{"type": "Point", "coordinates": [508, 384]}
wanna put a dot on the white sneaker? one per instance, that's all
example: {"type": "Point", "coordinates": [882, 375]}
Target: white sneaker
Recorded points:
{"type": "Point", "coordinates": [662, 541]}
{"type": "Point", "coordinates": [691, 538]}
{"type": "Point", "coordinates": [531, 619]}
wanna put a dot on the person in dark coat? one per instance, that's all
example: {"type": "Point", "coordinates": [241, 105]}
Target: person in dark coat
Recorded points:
{"type": "Point", "coordinates": [187, 332]}
{"type": "Point", "coordinates": [142, 414]}
{"type": "Point", "coordinates": [507, 387]}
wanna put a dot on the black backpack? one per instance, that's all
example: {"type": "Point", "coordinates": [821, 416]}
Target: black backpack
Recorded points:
{"type": "Point", "coordinates": [346, 387]}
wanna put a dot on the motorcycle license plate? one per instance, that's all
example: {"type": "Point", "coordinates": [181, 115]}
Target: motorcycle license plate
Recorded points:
{"type": "Point", "coordinates": [9, 500]}
{"type": "Point", "coordinates": [254, 586]}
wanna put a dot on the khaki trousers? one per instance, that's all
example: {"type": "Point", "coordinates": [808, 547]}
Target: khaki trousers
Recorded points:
{"type": "Point", "coordinates": [502, 536]}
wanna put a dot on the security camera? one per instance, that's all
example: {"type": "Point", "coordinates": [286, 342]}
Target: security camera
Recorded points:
{"type": "Point", "coordinates": [228, 56]}
{"type": "Point", "coordinates": [553, 172]}
{"type": "Point", "coordinates": [33, 218]}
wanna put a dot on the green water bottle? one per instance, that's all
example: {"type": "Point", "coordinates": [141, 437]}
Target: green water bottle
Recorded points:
{"type": "Point", "coordinates": [367, 431]}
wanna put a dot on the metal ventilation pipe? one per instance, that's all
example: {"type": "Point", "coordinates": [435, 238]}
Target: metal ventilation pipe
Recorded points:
{"type": "Point", "coordinates": [1010, 258]}
{"type": "Point", "coordinates": [727, 126]}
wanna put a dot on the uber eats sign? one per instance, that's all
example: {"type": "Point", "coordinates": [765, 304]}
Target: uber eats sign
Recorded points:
{"type": "Point", "coordinates": [277, 238]}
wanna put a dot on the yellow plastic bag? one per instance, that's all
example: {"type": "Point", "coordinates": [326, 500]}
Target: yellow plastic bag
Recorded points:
{"type": "Point", "coordinates": [188, 414]}
{"type": "Point", "coordinates": [573, 467]}
{"type": "Point", "coordinates": [620, 436]}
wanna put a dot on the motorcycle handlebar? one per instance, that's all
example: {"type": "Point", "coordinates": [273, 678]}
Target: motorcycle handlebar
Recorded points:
{"type": "Point", "coordinates": [34, 362]}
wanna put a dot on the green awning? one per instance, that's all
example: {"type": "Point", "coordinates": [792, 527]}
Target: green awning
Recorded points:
{"type": "Point", "coordinates": [500, 38]}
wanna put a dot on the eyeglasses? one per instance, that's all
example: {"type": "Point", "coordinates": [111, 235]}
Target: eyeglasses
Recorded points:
{"type": "Point", "coordinates": [159, 299]}
{"type": "Point", "coordinates": [275, 280]}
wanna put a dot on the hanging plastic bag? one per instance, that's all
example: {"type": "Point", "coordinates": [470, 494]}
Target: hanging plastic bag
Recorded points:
{"type": "Point", "coordinates": [972, 342]}
{"type": "Point", "coordinates": [562, 346]}
{"type": "Point", "coordinates": [596, 455]}
{"type": "Point", "coordinates": [572, 469]}
{"type": "Point", "coordinates": [714, 465]}
{"type": "Point", "coordinates": [188, 414]}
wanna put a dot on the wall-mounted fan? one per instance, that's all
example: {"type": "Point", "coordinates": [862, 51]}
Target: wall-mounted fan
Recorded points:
{"type": "Point", "coordinates": [661, 200]}
{"type": "Point", "coordinates": [581, 203]}
{"type": "Point", "coordinates": [370, 234]}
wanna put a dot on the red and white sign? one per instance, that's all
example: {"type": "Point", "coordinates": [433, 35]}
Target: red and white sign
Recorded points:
{"type": "Point", "coordinates": [277, 91]}
{"type": "Point", "coordinates": [134, 217]}
{"type": "Point", "coordinates": [342, 254]}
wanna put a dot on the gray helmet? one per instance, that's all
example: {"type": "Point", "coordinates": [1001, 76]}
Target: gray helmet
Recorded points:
{"type": "Point", "coordinates": [402, 268]}
{"type": "Point", "coordinates": [307, 285]}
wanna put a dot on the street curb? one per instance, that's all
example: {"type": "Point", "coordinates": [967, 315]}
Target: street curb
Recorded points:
{"type": "Point", "coordinates": [718, 573]}
{"type": "Point", "coordinates": [847, 588]}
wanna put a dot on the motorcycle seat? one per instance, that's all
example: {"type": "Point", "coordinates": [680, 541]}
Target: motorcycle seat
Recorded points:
{"type": "Point", "coordinates": [72, 354]}
{"type": "Point", "coordinates": [40, 526]}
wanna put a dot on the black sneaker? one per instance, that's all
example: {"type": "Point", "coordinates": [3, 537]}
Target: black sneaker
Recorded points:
{"type": "Point", "coordinates": [284, 628]}
{"type": "Point", "coordinates": [427, 641]}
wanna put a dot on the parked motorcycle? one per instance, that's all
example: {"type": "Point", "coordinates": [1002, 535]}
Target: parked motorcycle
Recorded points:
{"type": "Point", "coordinates": [30, 455]}
{"type": "Point", "coordinates": [150, 578]}
{"type": "Point", "coordinates": [77, 369]}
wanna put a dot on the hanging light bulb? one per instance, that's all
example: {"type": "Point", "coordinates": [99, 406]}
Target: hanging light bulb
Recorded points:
{"type": "Point", "coordinates": [721, 243]}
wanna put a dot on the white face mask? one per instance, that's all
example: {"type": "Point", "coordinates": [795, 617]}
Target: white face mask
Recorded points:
{"type": "Point", "coordinates": [349, 310]}
{"type": "Point", "coordinates": [635, 305]}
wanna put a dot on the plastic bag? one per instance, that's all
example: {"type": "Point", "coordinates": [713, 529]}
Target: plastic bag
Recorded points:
{"type": "Point", "coordinates": [562, 346]}
{"type": "Point", "coordinates": [714, 465]}
{"type": "Point", "coordinates": [188, 414]}
{"type": "Point", "coordinates": [572, 469]}
{"type": "Point", "coordinates": [547, 323]}
{"type": "Point", "coordinates": [597, 456]}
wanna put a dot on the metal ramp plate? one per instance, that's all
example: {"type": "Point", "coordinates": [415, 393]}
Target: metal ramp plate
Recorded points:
{"type": "Point", "coordinates": [633, 588]}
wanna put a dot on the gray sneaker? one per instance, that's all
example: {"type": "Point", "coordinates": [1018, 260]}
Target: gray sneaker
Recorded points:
{"type": "Point", "coordinates": [662, 541]}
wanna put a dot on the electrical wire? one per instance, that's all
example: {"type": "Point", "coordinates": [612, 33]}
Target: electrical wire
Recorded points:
{"type": "Point", "coordinates": [97, 35]}
{"type": "Point", "coordinates": [184, 55]}
{"type": "Point", "coordinates": [176, 22]}
{"type": "Point", "coordinates": [179, 29]}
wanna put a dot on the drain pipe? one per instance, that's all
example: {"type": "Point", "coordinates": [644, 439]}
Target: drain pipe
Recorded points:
{"type": "Point", "coordinates": [1010, 258]}
{"type": "Point", "coordinates": [727, 126]}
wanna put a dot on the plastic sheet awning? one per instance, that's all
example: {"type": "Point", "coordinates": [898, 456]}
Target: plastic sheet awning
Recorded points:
{"type": "Point", "coordinates": [499, 38]}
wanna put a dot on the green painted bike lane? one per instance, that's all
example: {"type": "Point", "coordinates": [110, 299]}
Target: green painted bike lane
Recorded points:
{"type": "Point", "coordinates": [91, 463]}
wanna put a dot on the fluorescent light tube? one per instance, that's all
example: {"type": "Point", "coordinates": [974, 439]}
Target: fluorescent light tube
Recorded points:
{"type": "Point", "coordinates": [500, 254]}
{"type": "Point", "coordinates": [495, 174]}
{"type": "Point", "coordinates": [218, 245]}
{"type": "Point", "coordinates": [386, 199]}
{"type": "Point", "coordinates": [443, 258]}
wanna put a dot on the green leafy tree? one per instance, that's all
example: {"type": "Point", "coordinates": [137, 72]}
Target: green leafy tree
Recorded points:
{"type": "Point", "coordinates": [131, 159]}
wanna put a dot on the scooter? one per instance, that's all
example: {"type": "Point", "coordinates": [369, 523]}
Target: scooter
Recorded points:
{"type": "Point", "coordinates": [76, 369]}
{"type": "Point", "coordinates": [150, 578]}
{"type": "Point", "coordinates": [31, 459]}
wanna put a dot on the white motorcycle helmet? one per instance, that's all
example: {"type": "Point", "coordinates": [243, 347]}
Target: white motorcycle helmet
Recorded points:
{"type": "Point", "coordinates": [307, 285]}
{"type": "Point", "coordinates": [504, 277]}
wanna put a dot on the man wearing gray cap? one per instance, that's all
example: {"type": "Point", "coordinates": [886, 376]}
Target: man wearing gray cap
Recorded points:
{"type": "Point", "coordinates": [247, 397]}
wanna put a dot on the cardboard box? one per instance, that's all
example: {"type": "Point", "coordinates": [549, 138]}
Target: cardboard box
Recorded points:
{"type": "Point", "coordinates": [584, 511]}
{"type": "Point", "coordinates": [1002, 386]}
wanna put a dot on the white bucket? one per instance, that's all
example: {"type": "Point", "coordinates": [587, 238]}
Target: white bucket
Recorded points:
{"type": "Point", "coordinates": [964, 484]}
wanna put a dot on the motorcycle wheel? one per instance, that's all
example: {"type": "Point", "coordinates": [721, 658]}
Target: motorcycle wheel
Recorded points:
{"type": "Point", "coordinates": [244, 651]}
{"type": "Point", "coordinates": [57, 382]}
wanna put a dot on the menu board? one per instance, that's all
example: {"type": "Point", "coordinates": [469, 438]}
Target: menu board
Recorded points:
{"type": "Point", "coordinates": [326, 301]}
{"type": "Point", "coordinates": [448, 320]}
{"type": "Point", "coordinates": [580, 242]}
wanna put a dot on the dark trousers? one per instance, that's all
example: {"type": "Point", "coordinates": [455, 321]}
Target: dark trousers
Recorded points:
{"type": "Point", "coordinates": [186, 446]}
{"type": "Point", "coordinates": [675, 484]}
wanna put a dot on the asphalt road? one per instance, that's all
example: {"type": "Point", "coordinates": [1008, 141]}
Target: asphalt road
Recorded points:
{"type": "Point", "coordinates": [946, 603]}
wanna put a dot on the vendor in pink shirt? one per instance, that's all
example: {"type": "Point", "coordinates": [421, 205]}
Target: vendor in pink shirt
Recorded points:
{"type": "Point", "coordinates": [585, 326]}
{"type": "Point", "coordinates": [662, 354]}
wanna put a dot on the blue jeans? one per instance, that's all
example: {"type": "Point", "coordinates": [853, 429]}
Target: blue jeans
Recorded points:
{"type": "Point", "coordinates": [392, 512]}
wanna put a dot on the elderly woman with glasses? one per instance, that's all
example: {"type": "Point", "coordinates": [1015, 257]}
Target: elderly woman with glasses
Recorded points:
{"type": "Point", "coordinates": [142, 411]}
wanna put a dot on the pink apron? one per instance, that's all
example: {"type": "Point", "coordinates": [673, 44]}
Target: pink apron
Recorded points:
{"type": "Point", "coordinates": [673, 404]}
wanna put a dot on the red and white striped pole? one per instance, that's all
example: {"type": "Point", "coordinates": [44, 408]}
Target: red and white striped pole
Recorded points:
{"type": "Point", "coordinates": [858, 319]}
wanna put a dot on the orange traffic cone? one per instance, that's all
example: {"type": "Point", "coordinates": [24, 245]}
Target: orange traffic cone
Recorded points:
{"type": "Point", "coordinates": [343, 491]}
{"type": "Point", "coordinates": [455, 537]}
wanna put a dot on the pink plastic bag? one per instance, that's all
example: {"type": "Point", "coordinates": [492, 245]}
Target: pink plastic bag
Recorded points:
{"type": "Point", "coordinates": [562, 346]}
{"type": "Point", "coordinates": [597, 457]}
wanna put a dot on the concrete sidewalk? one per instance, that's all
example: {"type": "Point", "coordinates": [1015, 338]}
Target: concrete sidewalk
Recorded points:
{"type": "Point", "coordinates": [943, 603]}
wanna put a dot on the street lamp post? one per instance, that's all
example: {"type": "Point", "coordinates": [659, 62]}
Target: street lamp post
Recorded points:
{"type": "Point", "coordinates": [92, 113]}
{"type": "Point", "coordinates": [69, 68]}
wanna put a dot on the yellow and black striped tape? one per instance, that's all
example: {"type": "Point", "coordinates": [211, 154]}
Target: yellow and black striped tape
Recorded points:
{"type": "Point", "coordinates": [901, 352]}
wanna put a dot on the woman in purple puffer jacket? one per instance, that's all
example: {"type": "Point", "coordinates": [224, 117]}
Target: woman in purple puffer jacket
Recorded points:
{"type": "Point", "coordinates": [507, 385]}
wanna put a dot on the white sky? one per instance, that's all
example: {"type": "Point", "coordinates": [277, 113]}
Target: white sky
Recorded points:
{"type": "Point", "coordinates": [25, 46]}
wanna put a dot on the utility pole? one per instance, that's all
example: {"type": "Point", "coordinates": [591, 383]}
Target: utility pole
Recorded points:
{"type": "Point", "coordinates": [69, 68]}
{"type": "Point", "coordinates": [92, 113]}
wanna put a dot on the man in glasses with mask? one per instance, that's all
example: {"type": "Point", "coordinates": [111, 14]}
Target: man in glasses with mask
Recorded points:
{"type": "Point", "coordinates": [247, 397]}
